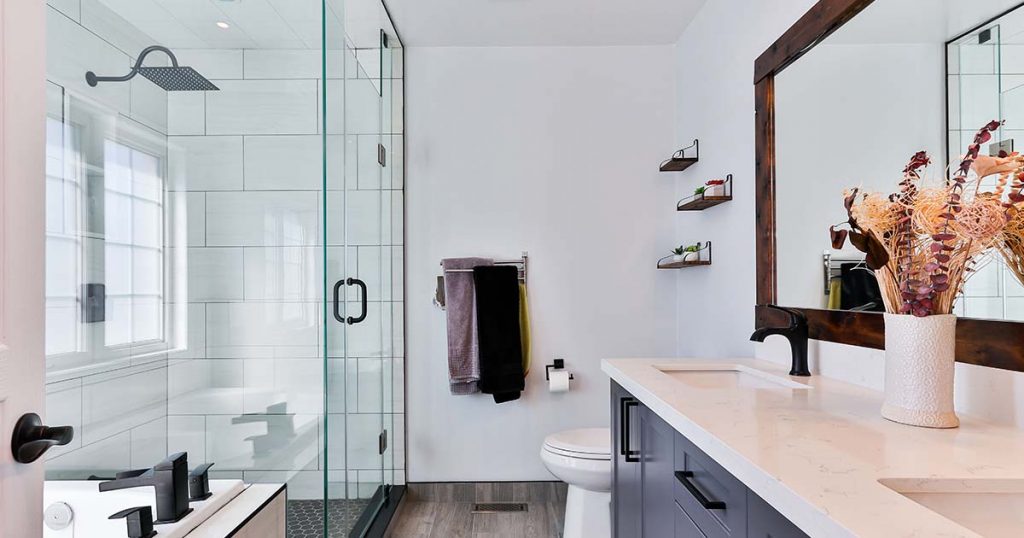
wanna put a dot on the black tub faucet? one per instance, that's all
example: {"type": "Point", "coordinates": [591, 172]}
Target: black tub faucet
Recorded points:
{"type": "Point", "coordinates": [170, 480]}
{"type": "Point", "coordinates": [797, 335]}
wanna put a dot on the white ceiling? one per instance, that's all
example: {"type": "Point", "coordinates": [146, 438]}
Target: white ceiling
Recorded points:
{"type": "Point", "coordinates": [296, 24]}
{"type": "Point", "coordinates": [541, 22]}
{"type": "Point", "coordinates": [261, 24]}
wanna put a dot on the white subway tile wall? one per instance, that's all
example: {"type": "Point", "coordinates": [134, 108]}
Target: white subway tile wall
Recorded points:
{"type": "Point", "coordinates": [241, 384]}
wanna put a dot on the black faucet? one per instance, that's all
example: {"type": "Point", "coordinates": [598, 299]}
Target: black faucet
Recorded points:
{"type": "Point", "coordinates": [796, 333]}
{"type": "Point", "coordinates": [170, 480]}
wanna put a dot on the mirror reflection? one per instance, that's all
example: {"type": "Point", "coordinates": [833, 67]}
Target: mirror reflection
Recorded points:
{"type": "Point", "coordinates": [901, 77]}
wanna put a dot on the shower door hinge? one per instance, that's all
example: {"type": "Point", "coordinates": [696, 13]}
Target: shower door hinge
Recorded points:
{"type": "Point", "coordinates": [382, 442]}
{"type": "Point", "coordinates": [382, 155]}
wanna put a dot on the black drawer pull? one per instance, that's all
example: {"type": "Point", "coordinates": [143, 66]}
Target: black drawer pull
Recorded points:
{"type": "Point", "coordinates": [630, 455]}
{"type": "Point", "coordinates": [684, 478]}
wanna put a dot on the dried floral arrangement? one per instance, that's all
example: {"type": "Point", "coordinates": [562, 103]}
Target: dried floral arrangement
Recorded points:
{"type": "Point", "coordinates": [923, 241]}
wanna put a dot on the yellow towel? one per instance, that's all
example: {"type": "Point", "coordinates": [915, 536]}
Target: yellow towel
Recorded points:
{"type": "Point", "coordinates": [524, 327]}
{"type": "Point", "coordinates": [835, 294]}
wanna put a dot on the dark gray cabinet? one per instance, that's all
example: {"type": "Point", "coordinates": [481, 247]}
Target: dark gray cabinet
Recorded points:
{"type": "Point", "coordinates": [663, 486]}
{"type": "Point", "coordinates": [685, 527]}
{"type": "Point", "coordinates": [657, 467]}
{"type": "Point", "coordinates": [626, 500]}
{"type": "Point", "coordinates": [715, 500]}
{"type": "Point", "coordinates": [763, 521]}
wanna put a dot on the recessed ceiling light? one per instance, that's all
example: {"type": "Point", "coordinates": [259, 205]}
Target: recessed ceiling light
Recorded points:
{"type": "Point", "coordinates": [224, 25]}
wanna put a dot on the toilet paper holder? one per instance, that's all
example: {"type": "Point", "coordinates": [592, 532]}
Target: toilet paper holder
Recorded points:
{"type": "Point", "coordinates": [559, 364]}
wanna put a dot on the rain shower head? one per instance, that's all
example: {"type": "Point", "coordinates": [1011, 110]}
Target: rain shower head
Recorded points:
{"type": "Point", "coordinates": [172, 79]}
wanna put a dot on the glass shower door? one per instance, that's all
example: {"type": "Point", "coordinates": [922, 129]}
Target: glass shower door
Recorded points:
{"type": "Point", "coordinates": [357, 329]}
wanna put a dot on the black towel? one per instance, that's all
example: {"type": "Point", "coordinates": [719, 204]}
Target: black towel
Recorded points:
{"type": "Point", "coordinates": [497, 313]}
{"type": "Point", "coordinates": [860, 289]}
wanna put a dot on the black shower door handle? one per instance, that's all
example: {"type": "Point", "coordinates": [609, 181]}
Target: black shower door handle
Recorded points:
{"type": "Point", "coordinates": [362, 300]}
{"type": "Point", "coordinates": [337, 300]}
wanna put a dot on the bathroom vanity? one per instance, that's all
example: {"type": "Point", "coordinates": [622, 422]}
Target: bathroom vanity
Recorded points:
{"type": "Point", "coordinates": [740, 449]}
{"type": "Point", "coordinates": [656, 472]}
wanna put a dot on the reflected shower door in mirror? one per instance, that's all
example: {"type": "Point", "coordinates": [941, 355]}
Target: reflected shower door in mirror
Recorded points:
{"type": "Point", "coordinates": [899, 78]}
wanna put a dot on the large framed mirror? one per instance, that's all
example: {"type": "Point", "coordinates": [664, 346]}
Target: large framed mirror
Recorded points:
{"type": "Point", "coordinates": [844, 98]}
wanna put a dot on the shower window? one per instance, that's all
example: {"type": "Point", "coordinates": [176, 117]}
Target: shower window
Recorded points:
{"type": "Point", "coordinates": [106, 292]}
{"type": "Point", "coordinates": [133, 246]}
{"type": "Point", "coordinates": [63, 239]}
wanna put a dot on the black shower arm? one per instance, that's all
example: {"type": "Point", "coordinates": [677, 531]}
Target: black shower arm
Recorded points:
{"type": "Point", "coordinates": [93, 79]}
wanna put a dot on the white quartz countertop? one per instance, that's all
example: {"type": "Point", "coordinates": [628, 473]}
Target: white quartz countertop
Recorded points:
{"type": "Point", "coordinates": [818, 455]}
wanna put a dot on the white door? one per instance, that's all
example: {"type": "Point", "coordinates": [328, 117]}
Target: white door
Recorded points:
{"type": "Point", "coordinates": [22, 211]}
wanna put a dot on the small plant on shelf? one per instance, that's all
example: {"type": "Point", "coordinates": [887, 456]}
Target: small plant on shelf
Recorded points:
{"type": "Point", "coordinates": [682, 253]}
{"type": "Point", "coordinates": [686, 256]}
{"type": "Point", "coordinates": [715, 187]}
{"type": "Point", "coordinates": [712, 193]}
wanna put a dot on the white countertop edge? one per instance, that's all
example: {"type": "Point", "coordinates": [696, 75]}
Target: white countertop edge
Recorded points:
{"type": "Point", "coordinates": [236, 514]}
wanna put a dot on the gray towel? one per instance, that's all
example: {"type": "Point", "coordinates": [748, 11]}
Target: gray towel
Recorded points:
{"type": "Point", "coordinates": [463, 346]}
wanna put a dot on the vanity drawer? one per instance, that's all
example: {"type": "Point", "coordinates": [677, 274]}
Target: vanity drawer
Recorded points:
{"type": "Point", "coordinates": [714, 499]}
{"type": "Point", "coordinates": [685, 527]}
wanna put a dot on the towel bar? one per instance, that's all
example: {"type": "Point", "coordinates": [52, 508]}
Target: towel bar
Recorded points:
{"type": "Point", "coordinates": [523, 262]}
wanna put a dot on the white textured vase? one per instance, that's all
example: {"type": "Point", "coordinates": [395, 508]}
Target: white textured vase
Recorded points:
{"type": "Point", "coordinates": [919, 365]}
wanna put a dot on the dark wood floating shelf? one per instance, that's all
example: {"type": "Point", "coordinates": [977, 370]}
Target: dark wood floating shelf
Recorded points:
{"type": "Point", "coordinates": [680, 161]}
{"type": "Point", "coordinates": [700, 202]}
{"type": "Point", "coordinates": [678, 165]}
{"type": "Point", "coordinates": [703, 203]}
{"type": "Point", "coordinates": [703, 259]}
{"type": "Point", "coordinates": [681, 265]}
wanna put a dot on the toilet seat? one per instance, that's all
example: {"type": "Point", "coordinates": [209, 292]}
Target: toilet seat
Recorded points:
{"type": "Point", "coordinates": [586, 443]}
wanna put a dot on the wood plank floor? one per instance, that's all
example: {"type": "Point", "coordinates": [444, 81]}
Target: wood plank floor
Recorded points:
{"type": "Point", "coordinates": [446, 511]}
{"type": "Point", "coordinates": [433, 519]}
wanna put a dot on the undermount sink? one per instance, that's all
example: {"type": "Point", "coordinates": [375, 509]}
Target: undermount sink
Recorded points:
{"type": "Point", "coordinates": [993, 508]}
{"type": "Point", "coordinates": [724, 376]}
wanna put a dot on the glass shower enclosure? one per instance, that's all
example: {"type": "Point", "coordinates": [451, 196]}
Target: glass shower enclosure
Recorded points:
{"type": "Point", "coordinates": [224, 266]}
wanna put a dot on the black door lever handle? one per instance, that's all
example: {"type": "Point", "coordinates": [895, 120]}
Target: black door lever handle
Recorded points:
{"type": "Point", "coordinates": [31, 439]}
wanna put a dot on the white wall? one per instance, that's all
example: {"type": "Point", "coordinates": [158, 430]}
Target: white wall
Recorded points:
{"type": "Point", "coordinates": [715, 102]}
{"type": "Point", "coordinates": [553, 151]}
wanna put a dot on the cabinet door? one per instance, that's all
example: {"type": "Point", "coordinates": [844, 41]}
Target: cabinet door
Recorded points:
{"type": "Point", "coordinates": [685, 527]}
{"type": "Point", "coordinates": [657, 470]}
{"type": "Point", "coordinates": [626, 492]}
{"type": "Point", "coordinates": [763, 521]}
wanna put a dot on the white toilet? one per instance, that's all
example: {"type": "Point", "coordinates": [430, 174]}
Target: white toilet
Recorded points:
{"type": "Point", "coordinates": [582, 459]}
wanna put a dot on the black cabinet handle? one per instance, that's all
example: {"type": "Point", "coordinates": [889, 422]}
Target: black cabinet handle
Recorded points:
{"type": "Point", "coordinates": [31, 439]}
{"type": "Point", "coordinates": [623, 426]}
{"type": "Point", "coordinates": [632, 456]}
{"type": "Point", "coordinates": [337, 300]}
{"type": "Point", "coordinates": [684, 478]}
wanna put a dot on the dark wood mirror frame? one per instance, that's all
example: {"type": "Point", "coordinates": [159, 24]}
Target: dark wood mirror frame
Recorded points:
{"type": "Point", "coordinates": [997, 344]}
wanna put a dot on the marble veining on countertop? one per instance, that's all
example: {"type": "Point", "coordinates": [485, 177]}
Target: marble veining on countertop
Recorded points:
{"type": "Point", "coordinates": [818, 455]}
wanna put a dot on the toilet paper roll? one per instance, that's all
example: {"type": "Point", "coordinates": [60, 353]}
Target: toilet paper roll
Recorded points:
{"type": "Point", "coordinates": [558, 381]}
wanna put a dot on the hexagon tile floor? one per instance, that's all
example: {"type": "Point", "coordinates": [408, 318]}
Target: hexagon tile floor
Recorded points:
{"type": "Point", "coordinates": [306, 517]}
